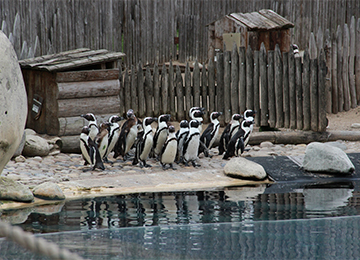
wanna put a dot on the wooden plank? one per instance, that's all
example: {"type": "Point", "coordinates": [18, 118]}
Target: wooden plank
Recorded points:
{"type": "Point", "coordinates": [353, 100]}
{"type": "Point", "coordinates": [249, 79]}
{"type": "Point", "coordinates": [263, 86]}
{"type": "Point", "coordinates": [140, 92]}
{"type": "Point", "coordinates": [286, 91]}
{"type": "Point", "coordinates": [164, 90]}
{"type": "Point", "coordinates": [172, 91]}
{"type": "Point", "coordinates": [156, 85]}
{"type": "Point", "coordinates": [70, 144]}
{"type": "Point", "coordinates": [127, 90]}
{"type": "Point", "coordinates": [334, 81]}
{"type": "Point", "coordinates": [196, 84]}
{"type": "Point", "coordinates": [242, 79]}
{"type": "Point", "coordinates": [87, 75]}
{"type": "Point", "coordinates": [204, 92]}
{"type": "Point", "coordinates": [98, 105]}
{"type": "Point", "coordinates": [321, 86]}
{"type": "Point", "coordinates": [279, 100]}
{"type": "Point", "coordinates": [234, 92]}
{"type": "Point", "coordinates": [179, 94]}
{"type": "Point", "coordinates": [88, 89]}
{"type": "Point", "coordinates": [314, 94]}
{"type": "Point", "coordinates": [256, 87]}
{"type": "Point", "coordinates": [271, 88]}
{"type": "Point", "coordinates": [340, 69]}
{"type": "Point", "coordinates": [292, 90]}
{"type": "Point", "coordinates": [345, 68]}
{"type": "Point", "coordinates": [133, 90]}
{"type": "Point", "coordinates": [219, 82]}
{"type": "Point", "coordinates": [121, 92]}
{"type": "Point", "coordinates": [211, 80]}
{"type": "Point", "coordinates": [149, 92]}
{"type": "Point", "coordinates": [306, 91]}
{"type": "Point", "coordinates": [299, 93]}
{"type": "Point", "coordinates": [328, 81]}
{"type": "Point", "coordinates": [357, 61]}
{"type": "Point", "coordinates": [188, 89]}
{"type": "Point", "coordinates": [227, 88]}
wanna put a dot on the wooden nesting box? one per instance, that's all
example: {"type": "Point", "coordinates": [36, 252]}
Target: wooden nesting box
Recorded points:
{"type": "Point", "coordinates": [63, 86]}
{"type": "Point", "coordinates": [250, 29]}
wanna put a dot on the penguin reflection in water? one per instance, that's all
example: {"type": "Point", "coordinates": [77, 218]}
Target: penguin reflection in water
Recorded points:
{"type": "Point", "coordinates": [90, 151]}
{"type": "Point", "coordinates": [168, 152]}
{"type": "Point", "coordinates": [145, 143]}
{"type": "Point", "coordinates": [191, 145]}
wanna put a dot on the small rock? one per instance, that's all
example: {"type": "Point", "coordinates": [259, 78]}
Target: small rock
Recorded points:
{"type": "Point", "coordinates": [19, 159]}
{"type": "Point", "coordinates": [12, 190]}
{"type": "Point", "coordinates": [35, 146]}
{"type": "Point", "coordinates": [266, 144]}
{"type": "Point", "coordinates": [48, 191]}
{"type": "Point", "coordinates": [355, 125]}
{"type": "Point", "coordinates": [242, 168]}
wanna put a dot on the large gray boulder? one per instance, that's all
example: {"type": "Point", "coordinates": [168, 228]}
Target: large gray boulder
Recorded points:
{"type": "Point", "coordinates": [320, 157]}
{"type": "Point", "coordinates": [35, 146]}
{"type": "Point", "coordinates": [48, 191]}
{"type": "Point", "coordinates": [12, 190]}
{"type": "Point", "coordinates": [239, 167]}
{"type": "Point", "coordinates": [13, 102]}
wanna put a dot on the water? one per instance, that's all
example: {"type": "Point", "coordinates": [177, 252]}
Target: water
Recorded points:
{"type": "Point", "coordinates": [278, 221]}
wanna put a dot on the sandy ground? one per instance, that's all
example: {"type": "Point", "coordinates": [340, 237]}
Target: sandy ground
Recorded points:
{"type": "Point", "coordinates": [344, 120]}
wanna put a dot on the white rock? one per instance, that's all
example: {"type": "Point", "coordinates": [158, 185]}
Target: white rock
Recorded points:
{"type": "Point", "coordinates": [35, 146]}
{"type": "Point", "coordinates": [242, 168]}
{"type": "Point", "coordinates": [266, 144]}
{"type": "Point", "coordinates": [20, 158]}
{"type": "Point", "coordinates": [355, 125]}
{"type": "Point", "coordinates": [326, 158]}
{"type": "Point", "coordinates": [13, 101]}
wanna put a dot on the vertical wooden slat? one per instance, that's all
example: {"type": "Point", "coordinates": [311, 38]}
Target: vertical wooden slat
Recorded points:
{"type": "Point", "coordinates": [219, 82]}
{"type": "Point", "coordinates": [234, 80]}
{"type": "Point", "coordinates": [140, 94]}
{"type": "Point", "coordinates": [211, 80]}
{"type": "Point", "coordinates": [204, 92]}
{"type": "Point", "coordinates": [227, 88]}
{"type": "Point", "coordinates": [249, 79]}
{"type": "Point", "coordinates": [134, 100]}
{"type": "Point", "coordinates": [172, 91]}
{"type": "Point", "coordinates": [334, 80]}
{"type": "Point", "coordinates": [188, 94]}
{"type": "Point", "coordinates": [164, 90]}
{"type": "Point", "coordinates": [271, 88]}
{"type": "Point", "coordinates": [156, 86]}
{"type": "Point", "coordinates": [292, 90]}
{"type": "Point", "coordinates": [299, 93]}
{"type": "Point", "coordinates": [257, 87]}
{"type": "Point", "coordinates": [286, 89]}
{"type": "Point", "coordinates": [278, 88]}
{"type": "Point", "coordinates": [149, 92]}
{"type": "Point", "coordinates": [345, 68]}
{"type": "Point", "coordinates": [322, 98]}
{"type": "Point", "coordinates": [263, 86]}
{"type": "Point", "coordinates": [127, 90]}
{"type": "Point", "coordinates": [357, 61]}
{"type": "Point", "coordinates": [353, 100]}
{"type": "Point", "coordinates": [242, 79]}
{"type": "Point", "coordinates": [314, 94]}
{"type": "Point", "coordinates": [328, 81]}
{"type": "Point", "coordinates": [339, 69]}
{"type": "Point", "coordinates": [179, 94]}
{"type": "Point", "coordinates": [121, 92]}
{"type": "Point", "coordinates": [306, 91]}
{"type": "Point", "coordinates": [196, 84]}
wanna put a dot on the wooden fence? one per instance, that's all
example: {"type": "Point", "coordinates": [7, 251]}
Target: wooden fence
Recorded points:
{"type": "Point", "coordinates": [283, 89]}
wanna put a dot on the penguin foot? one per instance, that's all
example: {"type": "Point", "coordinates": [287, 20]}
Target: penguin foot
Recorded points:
{"type": "Point", "coordinates": [195, 164]}
{"type": "Point", "coordinates": [172, 167]}
{"type": "Point", "coordinates": [87, 170]}
{"type": "Point", "coordinates": [147, 165]}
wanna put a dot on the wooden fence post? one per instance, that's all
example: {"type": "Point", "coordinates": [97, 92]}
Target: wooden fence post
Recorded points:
{"type": "Point", "coordinates": [292, 90]}
{"type": "Point", "coordinates": [263, 86]}
{"type": "Point", "coordinates": [140, 89]}
{"type": "Point", "coordinates": [172, 91]}
{"type": "Point", "coordinates": [196, 84]}
{"type": "Point", "coordinates": [227, 88]}
{"type": "Point", "coordinates": [234, 92]}
{"type": "Point", "coordinates": [133, 89]}
{"type": "Point", "coordinates": [257, 87]}
{"type": "Point", "coordinates": [149, 92]}
{"type": "Point", "coordinates": [352, 64]}
{"type": "Point", "coordinates": [286, 92]}
{"type": "Point", "coordinates": [314, 93]}
{"type": "Point", "coordinates": [334, 81]}
{"type": "Point", "coordinates": [219, 82]}
{"type": "Point", "coordinates": [242, 79]}
{"type": "Point", "coordinates": [179, 94]}
{"type": "Point", "coordinates": [211, 79]}
{"type": "Point", "coordinates": [249, 78]}
{"type": "Point", "coordinates": [306, 91]}
{"type": "Point", "coordinates": [188, 92]}
{"type": "Point", "coordinates": [122, 92]}
{"type": "Point", "coordinates": [357, 62]}
{"type": "Point", "coordinates": [156, 85]}
{"type": "Point", "coordinates": [322, 99]}
{"type": "Point", "coordinates": [339, 69]}
{"type": "Point", "coordinates": [299, 93]}
{"type": "Point", "coordinates": [328, 81]}
{"type": "Point", "coordinates": [271, 89]}
{"type": "Point", "coordinates": [279, 88]}
{"type": "Point", "coordinates": [127, 92]}
{"type": "Point", "coordinates": [164, 90]}
{"type": "Point", "coordinates": [345, 68]}
{"type": "Point", "coordinates": [204, 90]}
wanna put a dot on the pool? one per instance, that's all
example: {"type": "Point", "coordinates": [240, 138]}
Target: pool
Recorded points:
{"type": "Point", "coordinates": [274, 221]}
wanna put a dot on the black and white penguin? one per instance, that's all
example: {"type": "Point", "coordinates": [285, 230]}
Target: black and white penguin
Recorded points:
{"type": "Point", "coordinates": [102, 138]}
{"type": "Point", "coordinates": [114, 134]}
{"type": "Point", "coordinates": [89, 150]}
{"type": "Point", "coordinates": [128, 134]}
{"type": "Point", "coordinates": [249, 115]}
{"type": "Point", "coordinates": [229, 131]}
{"type": "Point", "coordinates": [168, 152]}
{"type": "Point", "coordinates": [161, 134]}
{"type": "Point", "coordinates": [94, 129]}
{"type": "Point", "coordinates": [196, 113]}
{"type": "Point", "coordinates": [191, 145]}
{"type": "Point", "coordinates": [145, 143]}
{"type": "Point", "coordinates": [181, 136]}
{"type": "Point", "coordinates": [237, 145]}
{"type": "Point", "coordinates": [210, 134]}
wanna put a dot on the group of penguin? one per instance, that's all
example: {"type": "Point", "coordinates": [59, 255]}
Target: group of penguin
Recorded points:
{"type": "Point", "coordinates": [165, 145]}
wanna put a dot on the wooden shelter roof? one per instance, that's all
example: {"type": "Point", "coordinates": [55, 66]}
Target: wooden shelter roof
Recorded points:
{"type": "Point", "coordinates": [70, 59]}
{"type": "Point", "coordinates": [264, 19]}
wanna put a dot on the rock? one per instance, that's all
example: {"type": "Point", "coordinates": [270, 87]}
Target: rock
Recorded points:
{"type": "Point", "coordinates": [338, 145]}
{"type": "Point", "coordinates": [21, 146]}
{"type": "Point", "coordinates": [266, 144]}
{"type": "Point", "coordinates": [49, 209]}
{"type": "Point", "coordinates": [20, 158]}
{"type": "Point", "coordinates": [355, 125]}
{"type": "Point", "coordinates": [11, 190]}
{"type": "Point", "coordinates": [48, 191]}
{"type": "Point", "coordinates": [242, 168]}
{"type": "Point", "coordinates": [321, 157]}
{"type": "Point", "coordinates": [13, 101]}
{"type": "Point", "coordinates": [35, 146]}
{"type": "Point", "coordinates": [29, 131]}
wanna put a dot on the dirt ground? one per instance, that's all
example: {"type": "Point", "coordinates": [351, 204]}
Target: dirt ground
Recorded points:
{"type": "Point", "coordinates": [344, 120]}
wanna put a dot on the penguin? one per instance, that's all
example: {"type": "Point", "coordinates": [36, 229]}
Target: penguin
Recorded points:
{"type": "Point", "coordinates": [102, 138]}
{"type": "Point", "coordinates": [127, 137]}
{"type": "Point", "coordinates": [94, 129]}
{"type": "Point", "coordinates": [249, 115]}
{"type": "Point", "coordinates": [89, 150]}
{"type": "Point", "coordinates": [114, 134]}
{"type": "Point", "coordinates": [181, 135]}
{"type": "Point", "coordinates": [237, 142]}
{"type": "Point", "coordinates": [191, 145]}
{"type": "Point", "coordinates": [210, 134]}
{"type": "Point", "coordinates": [229, 131]}
{"type": "Point", "coordinates": [197, 113]}
{"type": "Point", "coordinates": [168, 152]}
{"type": "Point", "coordinates": [160, 134]}
{"type": "Point", "coordinates": [145, 143]}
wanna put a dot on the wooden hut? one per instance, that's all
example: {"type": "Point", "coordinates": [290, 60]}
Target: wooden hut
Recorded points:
{"type": "Point", "coordinates": [250, 29]}
{"type": "Point", "coordinates": [63, 86]}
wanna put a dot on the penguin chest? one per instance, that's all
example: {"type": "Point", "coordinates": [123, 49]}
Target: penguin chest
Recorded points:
{"type": "Point", "coordinates": [192, 148]}
{"type": "Point", "coordinates": [160, 141]}
{"type": "Point", "coordinates": [148, 143]}
{"type": "Point", "coordinates": [170, 152]}
{"type": "Point", "coordinates": [130, 138]}
{"type": "Point", "coordinates": [93, 132]}
{"type": "Point", "coordinates": [214, 135]}
{"type": "Point", "coordinates": [103, 146]}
